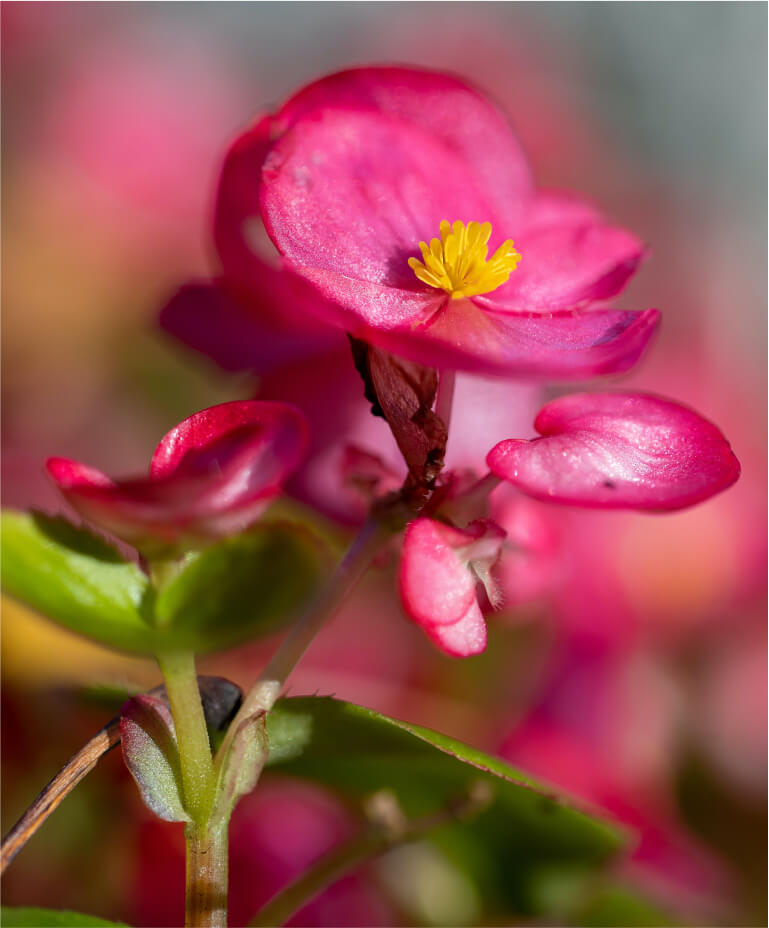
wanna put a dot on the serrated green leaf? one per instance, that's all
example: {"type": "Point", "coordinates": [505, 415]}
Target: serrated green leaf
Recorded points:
{"type": "Point", "coordinates": [76, 578]}
{"type": "Point", "coordinates": [28, 917]}
{"type": "Point", "coordinates": [526, 826]}
{"type": "Point", "coordinates": [240, 588]}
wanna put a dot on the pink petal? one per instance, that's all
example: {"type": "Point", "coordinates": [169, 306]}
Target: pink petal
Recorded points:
{"type": "Point", "coordinates": [69, 474]}
{"type": "Point", "coordinates": [206, 442]}
{"type": "Point", "coordinates": [436, 586]}
{"type": "Point", "coordinates": [441, 105]}
{"type": "Point", "coordinates": [355, 193]}
{"type": "Point", "coordinates": [234, 333]}
{"type": "Point", "coordinates": [629, 451]}
{"type": "Point", "coordinates": [210, 476]}
{"type": "Point", "coordinates": [558, 346]}
{"type": "Point", "coordinates": [571, 256]}
{"type": "Point", "coordinates": [464, 638]}
{"type": "Point", "coordinates": [252, 268]}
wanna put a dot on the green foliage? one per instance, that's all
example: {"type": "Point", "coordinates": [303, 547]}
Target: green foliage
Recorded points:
{"type": "Point", "coordinates": [74, 577]}
{"type": "Point", "coordinates": [240, 588]}
{"type": "Point", "coordinates": [524, 827]}
{"type": "Point", "coordinates": [27, 917]}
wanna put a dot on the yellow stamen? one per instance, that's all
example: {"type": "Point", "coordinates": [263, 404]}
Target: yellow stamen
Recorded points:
{"type": "Point", "coordinates": [457, 263]}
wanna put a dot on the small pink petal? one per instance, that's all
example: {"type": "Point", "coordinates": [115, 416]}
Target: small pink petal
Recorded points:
{"type": "Point", "coordinates": [68, 474]}
{"type": "Point", "coordinates": [619, 451]}
{"type": "Point", "coordinates": [436, 586]}
{"type": "Point", "coordinates": [464, 638]}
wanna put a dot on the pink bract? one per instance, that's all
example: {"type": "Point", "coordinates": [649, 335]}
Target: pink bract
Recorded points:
{"type": "Point", "coordinates": [359, 167]}
{"type": "Point", "coordinates": [210, 476]}
{"type": "Point", "coordinates": [440, 569]}
{"type": "Point", "coordinates": [618, 451]}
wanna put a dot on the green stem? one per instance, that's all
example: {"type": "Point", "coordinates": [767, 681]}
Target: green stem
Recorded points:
{"type": "Point", "coordinates": [389, 830]}
{"type": "Point", "coordinates": [323, 873]}
{"type": "Point", "coordinates": [267, 688]}
{"type": "Point", "coordinates": [178, 668]}
{"type": "Point", "coordinates": [206, 897]}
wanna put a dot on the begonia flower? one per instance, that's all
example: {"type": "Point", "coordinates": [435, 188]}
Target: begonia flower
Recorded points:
{"type": "Point", "coordinates": [210, 476]}
{"type": "Point", "coordinates": [440, 569]}
{"type": "Point", "coordinates": [359, 168]}
{"type": "Point", "coordinates": [618, 451]}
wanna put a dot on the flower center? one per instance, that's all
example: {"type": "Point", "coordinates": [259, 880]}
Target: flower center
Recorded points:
{"type": "Point", "coordinates": [457, 263]}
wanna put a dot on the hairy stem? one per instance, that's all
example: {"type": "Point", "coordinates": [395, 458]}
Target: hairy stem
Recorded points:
{"type": "Point", "coordinates": [267, 688]}
{"type": "Point", "coordinates": [197, 768]}
{"type": "Point", "coordinates": [206, 893]}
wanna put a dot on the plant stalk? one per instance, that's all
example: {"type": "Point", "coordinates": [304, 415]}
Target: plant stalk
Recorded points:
{"type": "Point", "coordinates": [207, 863]}
{"type": "Point", "coordinates": [197, 767]}
{"type": "Point", "coordinates": [353, 565]}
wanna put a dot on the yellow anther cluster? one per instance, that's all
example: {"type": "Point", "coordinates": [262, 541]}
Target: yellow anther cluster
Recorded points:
{"type": "Point", "coordinates": [457, 263]}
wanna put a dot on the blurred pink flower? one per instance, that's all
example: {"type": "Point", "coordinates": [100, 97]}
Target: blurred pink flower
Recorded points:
{"type": "Point", "coordinates": [210, 476]}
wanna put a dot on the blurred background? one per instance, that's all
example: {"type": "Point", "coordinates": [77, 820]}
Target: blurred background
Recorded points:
{"type": "Point", "coordinates": [634, 675]}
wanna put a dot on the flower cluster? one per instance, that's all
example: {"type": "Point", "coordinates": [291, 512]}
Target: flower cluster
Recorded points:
{"type": "Point", "coordinates": [395, 205]}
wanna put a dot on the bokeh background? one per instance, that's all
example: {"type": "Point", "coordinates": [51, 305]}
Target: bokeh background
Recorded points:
{"type": "Point", "coordinates": [637, 680]}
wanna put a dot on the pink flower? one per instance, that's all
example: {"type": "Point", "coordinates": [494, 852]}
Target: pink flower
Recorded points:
{"type": "Point", "coordinates": [618, 451]}
{"type": "Point", "coordinates": [359, 168]}
{"type": "Point", "coordinates": [631, 451]}
{"type": "Point", "coordinates": [210, 476]}
{"type": "Point", "coordinates": [439, 571]}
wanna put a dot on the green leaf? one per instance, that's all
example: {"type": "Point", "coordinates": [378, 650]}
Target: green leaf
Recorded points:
{"type": "Point", "coordinates": [242, 766]}
{"type": "Point", "coordinates": [151, 753]}
{"type": "Point", "coordinates": [76, 578]}
{"type": "Point", "coordinates": [240, 588]}
{"type": "Point", "coordinates": [621, 905]}
{"type": "Point", "coordinates": [27, 917]}
{"type": "Point", "coordinates": [525, 826]}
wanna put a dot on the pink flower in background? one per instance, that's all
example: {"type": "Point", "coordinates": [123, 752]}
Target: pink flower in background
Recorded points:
{"type": "Point", "coordinates": [352, 173]}
{"type": "Point", "coordinates": [210, 476]}
{"type": "Point", "coordinates": [618, 451]}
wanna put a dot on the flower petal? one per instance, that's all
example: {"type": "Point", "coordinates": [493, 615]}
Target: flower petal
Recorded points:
{"type": "Point", "coordinates": [355, 193]}
{"type": "Point", "coordinates": [272, 436]}
{"type": "Point", "coordinates": [619, 451]}
{"type": "Point", "coordinates": [252, 268]}
{"type": "Point", "coordinates": [571, 257]}
{"type": "Point", "coordinates": [441, 105]}
{"type": "Point", "coordinates": [464, 638]}
{"type": "Point", "coordinates": [559, 346]}
{"type": "Point", "coordinates": [236, 334]}
{"type": "Point", "coordinates": [436, 586]}
{"type": "Point", "coordinates": [210, 476]}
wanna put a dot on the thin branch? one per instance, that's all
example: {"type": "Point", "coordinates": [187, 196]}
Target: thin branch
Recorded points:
{"type": "Point", "coordinates": [388, 831]}
{"type": "Point", "coordinates": [58, 788]}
